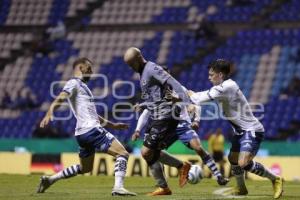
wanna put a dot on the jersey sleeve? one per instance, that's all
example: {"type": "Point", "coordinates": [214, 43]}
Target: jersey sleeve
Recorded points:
{"type": "Point", "coordinates": [200, 97]}
{"type": "Point", "coordinates": [142, 120]}
{"type": "Point", "coordinates": [70, 86]}
{"type": "Point", "coordinates": [215, 93]}
{"type": "Point", "coordinates": [160, 74]}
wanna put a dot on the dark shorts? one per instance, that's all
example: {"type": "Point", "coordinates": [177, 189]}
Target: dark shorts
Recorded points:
{"type": "Point", "coordinates": [160, 134]}
{"type": "Point", "coordinates": [218, 156]}
{"type": "Point", "coordinates": [185, 133]}
{"type": "Point", "coordinates": [96, 140]}
{"type": "Point", "coordinates": [248, 141]}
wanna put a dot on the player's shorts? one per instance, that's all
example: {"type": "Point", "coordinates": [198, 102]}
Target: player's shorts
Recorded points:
{"type": "Point", "coordinates": [160, 134]}
{"type": "Point", "coordinates": [185, 133]}
{"type": "Point", "coordinates": [248, 141]}
{"type": "Point", "coordinates": [96, 140]}
{"type": "Point", "coordinates": [218, 156]}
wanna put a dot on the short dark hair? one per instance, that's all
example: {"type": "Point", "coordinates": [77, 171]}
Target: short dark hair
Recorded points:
{"type": "Point", "coordinates": [81, 61]}
{"type": "Point", "coordinates": [220, 65]}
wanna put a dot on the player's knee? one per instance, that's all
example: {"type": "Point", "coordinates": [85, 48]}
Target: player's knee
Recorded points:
{"type": "Point", "coordinates": [200, 151]}
{"type": "Point", "coordinates": [123, 153]}
{"type": "Point", "coordinates": [248, 166]}
{"type": "Point", "coordinates": [145, 153]}
{"type": "Point", "coordinates": [150, 156]}
{"type": "Point", "coordinates": [243, 163]}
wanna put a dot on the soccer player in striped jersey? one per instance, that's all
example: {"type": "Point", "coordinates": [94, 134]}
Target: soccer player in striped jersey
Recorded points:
{"type": "Point", "coordinates": [248, 131]}
{"type": "Point", "coordinates": [89, 132]}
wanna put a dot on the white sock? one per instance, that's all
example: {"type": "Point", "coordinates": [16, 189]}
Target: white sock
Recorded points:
{"type": "Point", "coordinates": [56, 177]}
{"type": "Point", "coordinates": [66, 173]}
{"type": "Point", "coordinates": [119, 182]}
{"type": "Point", "coordinates": [120, 171]}
{"type": "Point", "coordinates": [258, 169]}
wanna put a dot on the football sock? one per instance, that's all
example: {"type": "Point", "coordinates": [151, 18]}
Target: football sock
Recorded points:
{"type": "Point", "coordinates": [158, 174]}
{"type": "Point", "coordinates": [120, 171]}
{"type": "Point", "coordinates": [238, 173]}
{"type": "Point", "coordinates": [168, 159]}
{"type": "Point", "coordinates": [210, 163]}
{"type": "Point", "coordinates": [66, 173]}
{"type": "Point", "coordinates": [258, 169]}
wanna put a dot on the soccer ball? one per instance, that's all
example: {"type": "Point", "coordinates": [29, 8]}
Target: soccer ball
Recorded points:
{"type": "Point", "coordinates": [195, 174]}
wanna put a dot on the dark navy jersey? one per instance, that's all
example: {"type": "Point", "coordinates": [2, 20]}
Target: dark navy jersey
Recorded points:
{"type": "Point", "coordinates": [152, 82]}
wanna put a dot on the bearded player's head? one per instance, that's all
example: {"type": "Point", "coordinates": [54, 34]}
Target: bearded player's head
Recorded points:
{"type": "Point", "coordinates": [83, 69]}
{"type": "Point", "coordinates": [134, 58]}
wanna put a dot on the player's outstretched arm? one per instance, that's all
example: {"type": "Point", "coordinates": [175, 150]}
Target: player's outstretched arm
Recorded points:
{"type": "Point", "coordinates": [108, 124]}
{"type": "Point", "coordinates": [177, 87]}
{"type": "Point", "coordinates": [199, 97]}
{"type": "Point", "coordinates": [54, 105]}
{"type": "Point", "coordinates": [140, 124]}
{"type": "Point", "coordinates": [215, 93]}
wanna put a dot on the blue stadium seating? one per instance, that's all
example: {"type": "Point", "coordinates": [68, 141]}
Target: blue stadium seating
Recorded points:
{"type": "Point", "coordinates": [58, 11]}
{"type": "Point", "coordinates": [245, 49]}
{"type": "Point", "coordinates": [288, 12]}
{"type": "Point", "coordinates": [4, 9]}
{"type": "Point", "coordinates": [171, 15]}
{"type": "Point", "coordinates": [227, 13]}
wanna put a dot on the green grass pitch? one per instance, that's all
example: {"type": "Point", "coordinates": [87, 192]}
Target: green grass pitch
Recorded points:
{"type": "Point", "coordinates": [15, 187]}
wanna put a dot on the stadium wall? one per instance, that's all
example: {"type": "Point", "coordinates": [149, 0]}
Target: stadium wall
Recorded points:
{"type": "Point", "coordinates": [57, 146]}
{"type": "Point", "coordinates": [20, 163]}
{"type": "Point", "coordinates": [15, 163]}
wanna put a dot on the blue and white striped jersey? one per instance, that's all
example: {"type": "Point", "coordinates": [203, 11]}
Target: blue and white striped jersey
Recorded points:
{"type": "Point", "coordinates": [81, 102]}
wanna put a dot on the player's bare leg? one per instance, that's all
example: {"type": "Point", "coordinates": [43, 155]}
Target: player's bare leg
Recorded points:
{"type": "Point", "coordinates": [117, 150]}
{"type": "Point", "coordinates": [246, 162]}
{"type": "Point", "coordinates": [85, 166]}
{"type": "Point", "coordinates": [195, 144]}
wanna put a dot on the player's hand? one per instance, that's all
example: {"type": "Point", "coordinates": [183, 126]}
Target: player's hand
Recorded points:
{"type": "Point", "coordinates": [135, 135]}
{"type": "Point", "coordinates": [195, 126]}
{"type": "Point", "coordinates": [190, 92]}
{"type": "Point", "coordinates": [120, 126]}
{"type": "Point", "coordinates": [137, 107]}
{"type": "Point", "coordinates": [45, 121]}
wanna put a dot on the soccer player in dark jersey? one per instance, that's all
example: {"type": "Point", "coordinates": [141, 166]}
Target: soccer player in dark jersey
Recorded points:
{"type": "Point", "coordinates": [164, 114]}
{"type": "Point", "coordinates": [188, 121]}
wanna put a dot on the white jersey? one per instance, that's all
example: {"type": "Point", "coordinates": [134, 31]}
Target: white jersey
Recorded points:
{"type": "Point", "coordinates": [234, 105]}
{"type": "Point", "coordinates": [81, 102]}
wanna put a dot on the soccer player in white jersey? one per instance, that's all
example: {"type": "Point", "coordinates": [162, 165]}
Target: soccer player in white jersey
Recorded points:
{"type": "Point", "coordinates": [248, 131]}
{"type": "Point", "coordinates": [89, 132]}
